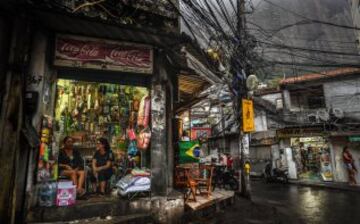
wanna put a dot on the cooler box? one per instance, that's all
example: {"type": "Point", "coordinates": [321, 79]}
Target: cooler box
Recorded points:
{"type": "Point", "coordinates": [66, 193]}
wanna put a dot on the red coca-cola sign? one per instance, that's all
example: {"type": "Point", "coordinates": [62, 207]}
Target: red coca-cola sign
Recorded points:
{"type": "Point", "coordinates": [102, 54]}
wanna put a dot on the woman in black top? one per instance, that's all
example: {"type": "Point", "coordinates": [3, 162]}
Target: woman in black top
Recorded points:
{"type": "Point", "coordinates": [102, 163]}
{"type": "Point", "coordinates": [71, 164]}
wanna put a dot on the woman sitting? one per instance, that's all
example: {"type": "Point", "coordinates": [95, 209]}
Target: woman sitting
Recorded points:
{"type": "Point", "coordinates": [71, 164]}
{"type": "Point", "coordinates": [102, 164]}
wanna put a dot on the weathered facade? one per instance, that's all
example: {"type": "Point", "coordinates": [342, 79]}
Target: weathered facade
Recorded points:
{"type": "Point", "coordinates": [26, 66]}
{"type": "Point", "coordinates": [264, 144]}
{"type": "Point", "coordinates": [324, 106]}
{"type": "Point", "coordinates": [355, 14]}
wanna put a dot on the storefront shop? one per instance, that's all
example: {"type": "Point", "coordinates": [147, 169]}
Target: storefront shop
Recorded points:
{"type": "Point", "coordinates": [86, 110]}
{"type": "Point", "coordinates": [312, 158]}
{"type": "Point", "coordinates": [309, 150]}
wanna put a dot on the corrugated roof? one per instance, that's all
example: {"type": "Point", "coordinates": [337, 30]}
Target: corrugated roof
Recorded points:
{"type": "Point", "coordinates": [261, 92]}
{"type": "Point", "coordinates": [319, 76]}
{"type": "Point", "coordinates": [190, 85]}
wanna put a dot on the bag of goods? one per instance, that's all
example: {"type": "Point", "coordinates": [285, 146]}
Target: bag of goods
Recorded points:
{"type": "Point", "coordinates": [144, 112]}
{"type": "Point", "coordinates": [143, 139]}
{"type": "Point", "coordinates": [132, 119]}
{"type": "Point", "coordinates": [132, 149]}
{"type": "Point", "coordinates": [131, 134]}
{"type": "Point", "coordinates": [136, 172]}
{"type": "Point", "coordinates": [47, 194]}
{"type": "Point", "coordinates": [136, 105]}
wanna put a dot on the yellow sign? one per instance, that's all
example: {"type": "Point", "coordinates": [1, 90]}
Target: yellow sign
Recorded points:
{"type": "Point", "coordinates": [248, 115]}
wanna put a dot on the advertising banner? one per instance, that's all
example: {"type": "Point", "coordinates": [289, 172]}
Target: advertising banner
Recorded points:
{"type": "Point", "coordinates": [93, 53]}
{"type": "Point", "coordinates": [248, 115]}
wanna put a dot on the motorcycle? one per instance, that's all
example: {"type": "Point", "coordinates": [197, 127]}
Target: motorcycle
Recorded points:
{"type": "Point", "coordinates": [275, 175]}
{"type": "Point", "coordinates": [225, 178]}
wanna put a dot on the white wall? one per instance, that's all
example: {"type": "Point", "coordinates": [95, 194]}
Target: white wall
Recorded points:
{"type": "Point", "coordinates": [260, 121]}
{"type": "Point", "coordinates": [340, 172]}
{"type": "Point", "coordinates": [355, 13]}
{"type": "Point", "coordinates": [272, 97]}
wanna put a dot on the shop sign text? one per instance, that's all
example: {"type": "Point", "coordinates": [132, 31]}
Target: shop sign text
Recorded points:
{"type": "Point", "coordinates": [75, 51]}
{"type": "Point", "coordinates": [354, 138]}
{"type": "Point", "coordinates": [288, 133]}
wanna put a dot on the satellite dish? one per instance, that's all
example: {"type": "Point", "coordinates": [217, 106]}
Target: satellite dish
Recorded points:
{"type": "Point", "coordinates": [252, 82]}
{"type": "Point", "coordinates": [323, 115]}
{"type": "Point", "coordinates": [338, 113]}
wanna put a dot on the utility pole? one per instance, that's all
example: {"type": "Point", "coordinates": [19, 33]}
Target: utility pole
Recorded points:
{"type": "Point", "coordinates": [239, 63]}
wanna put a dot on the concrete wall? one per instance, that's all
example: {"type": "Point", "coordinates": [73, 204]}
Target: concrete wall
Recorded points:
{"type": "Point", "coordinates": [340, 172]}
{"type": "Point", "coordinates": [260, 121]}
{"type": "Point", "coordinates": [355, 13]}
{"type": "Point", "coordinates": [12, 145]}
{"type": "Point", "coordinates": [272, 97]}
{"type": "Point", "coordinates": [344, 94]}
{"type": "Point", "coordinates": [260, 152]}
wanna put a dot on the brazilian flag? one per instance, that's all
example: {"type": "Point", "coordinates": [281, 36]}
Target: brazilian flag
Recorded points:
{"type": "Point", "coordinates": [189, 152]}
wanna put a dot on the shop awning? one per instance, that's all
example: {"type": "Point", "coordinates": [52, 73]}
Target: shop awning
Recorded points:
{"type": "Point", "coordinates": [194, 78]}
{"type": "Point", "coordinates": [190, 85]}
{"type": "Point", "coordinates": [194, 75]}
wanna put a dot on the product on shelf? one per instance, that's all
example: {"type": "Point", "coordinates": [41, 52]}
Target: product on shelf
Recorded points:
{"type": "Point", "coordinates": [87, 111]}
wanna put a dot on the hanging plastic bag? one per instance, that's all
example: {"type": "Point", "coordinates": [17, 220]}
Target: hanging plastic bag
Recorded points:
{"type": "Point", "coordinates": [131, 134]}
{"type": "Point", "coordinates": [144, 112]}
{"type": "Point", "coordinates": [136, 105]}
{"type": "Point", "coordinates": [143, 139]}
{"type": "Point", "coordinates": [132, 149]}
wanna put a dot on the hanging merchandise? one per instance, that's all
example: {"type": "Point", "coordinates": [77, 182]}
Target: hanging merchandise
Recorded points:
{"type": "Point", "coordinates": [132, 149]}
{"type": "Point", "coordinates": [131, 134]}
{"type": "Point", "coordinates": [132, 119]}
{"type": "Point", "coordinates": [147, 112]}
{"type": "Point", "coordinates": [136, 105]}
{"type": "Point", "coordinates": [87, 111]}
{"type": "Point", "coordinates": [143, 139]}
{"type": "Point", "coordinates": [144, 112]}
{"type": "Point", "coordinates": [46, 164]}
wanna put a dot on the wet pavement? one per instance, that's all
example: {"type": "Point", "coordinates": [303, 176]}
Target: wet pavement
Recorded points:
{"type": "Point", "coordinates": [290, 204]}
{"type": "Point", "coordinates": [299, 204]}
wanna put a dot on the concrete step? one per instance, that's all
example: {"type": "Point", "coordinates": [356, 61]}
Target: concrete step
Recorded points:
{"type": "Point", "coordinates": [82, 210]}
{"type": "Point", "coordinates": [126, 219]}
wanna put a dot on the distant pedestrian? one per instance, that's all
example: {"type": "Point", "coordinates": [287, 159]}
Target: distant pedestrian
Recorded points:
{"type": "Point", "coordinates": [304, 157]}
{"type": "Point", "coordinates": [349, 163]}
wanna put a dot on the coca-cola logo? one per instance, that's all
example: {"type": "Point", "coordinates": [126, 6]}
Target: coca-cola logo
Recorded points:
{"type": "Point", "coordinates": [130, 56]}
{"type": "Point", "coordinates": [86, 52]}
{"type": "Point", "coordinates": [69, 48]}
{"type": "Point", "coordinates": [89, 50]}
{"type": "Point", "coordinates": [118, 53]}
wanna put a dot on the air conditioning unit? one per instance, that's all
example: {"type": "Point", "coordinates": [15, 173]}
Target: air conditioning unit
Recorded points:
{"type": "Point", "coordinates": [323, 115]}
{"type": "Point", "coordinates": [312, 118]}
{"type": "Point", "coordinates": [338, 113]}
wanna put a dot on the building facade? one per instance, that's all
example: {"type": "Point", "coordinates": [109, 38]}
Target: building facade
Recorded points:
{"type": "Point", "coordinates": [307, 123]}
{"type": "Point", "coordinates": [83, 51]}
{"type": "Point", "coordinates": [355, 13]}
{"type": "Point", "coordinates": [325, 109]}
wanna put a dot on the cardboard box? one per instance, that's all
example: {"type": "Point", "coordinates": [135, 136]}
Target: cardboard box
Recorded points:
{"type": "Point", "coordinates": [66, 193]}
